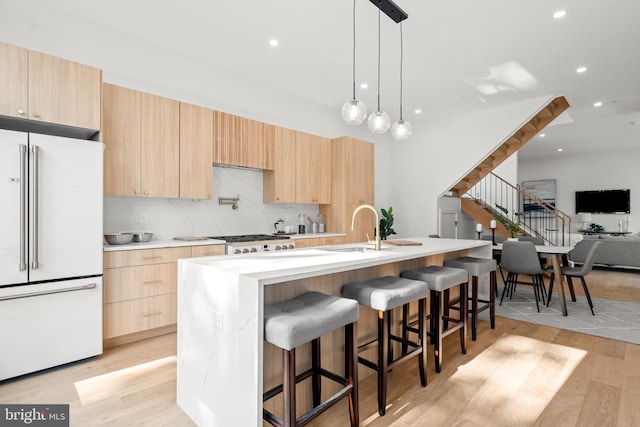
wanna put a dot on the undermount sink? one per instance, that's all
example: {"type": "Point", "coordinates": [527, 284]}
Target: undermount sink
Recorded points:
{"type": "Point", "coordinates": [354, 249]}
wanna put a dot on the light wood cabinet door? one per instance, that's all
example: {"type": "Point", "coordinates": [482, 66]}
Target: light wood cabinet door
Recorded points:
{"type": "Point", "coordinates": [319, 241]}
{"type": "Point", "coordinates": [64, 92]}
{"type": "Point", "coordinates": [13, 81]}
{"type": "Point", "coordinates": [128, 283]}
{"type": "Point", "coordinates": [121, 115]}
{"type": "Point", "coordinates": [269, 146]}
{"type": "Point", "coordinates": [313, 169]}
{"type": "Point", "coordinates": [160, 147]}
{"type": "Point", "coordinates": [279, 184]}
{"type": "Point", "coordinates": [207, 250]}
{"type": "Point", "coordinates": [196, 152]}
{"type": "Point", "coordinates": [127, 317]}
{"type": "Point", "coordinates": [226, 130]}
{"type": "Point", "coordinates": [116, 259]}
{"type": "Point", "coordinates": [360, 176]}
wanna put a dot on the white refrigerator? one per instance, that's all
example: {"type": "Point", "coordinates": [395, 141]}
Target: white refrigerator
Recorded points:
{"type": "Point", "coordinates": [50, 251]}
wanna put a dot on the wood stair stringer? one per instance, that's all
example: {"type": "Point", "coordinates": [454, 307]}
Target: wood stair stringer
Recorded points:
{"type": "Point", "coordinates": [513, 143]}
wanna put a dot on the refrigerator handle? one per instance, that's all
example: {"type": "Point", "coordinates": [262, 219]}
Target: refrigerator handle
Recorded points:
{"type": "Point", "coordinates": [23, 206]}
{"type": "Point", "coordinates": [34, 242]}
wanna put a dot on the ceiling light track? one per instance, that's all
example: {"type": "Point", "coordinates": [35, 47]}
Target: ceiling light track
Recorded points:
{"type": "Point", "coordinates": [391, 10]}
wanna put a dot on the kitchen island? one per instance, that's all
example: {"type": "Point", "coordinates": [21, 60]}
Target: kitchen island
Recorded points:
{"type": "Point", "coordinates": [223, 363]}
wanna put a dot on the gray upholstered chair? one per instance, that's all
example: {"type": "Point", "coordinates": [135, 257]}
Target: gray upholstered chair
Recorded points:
{"type": "Point", "coordinates": [521, 258]}
{"type": "Point", "coordinates": [580, 272]}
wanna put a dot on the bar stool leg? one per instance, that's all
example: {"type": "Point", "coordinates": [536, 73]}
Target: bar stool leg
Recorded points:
{"type": "Point", "coordinates": [383, 361]}
{"type": "Point", "coordinates": [351, 371]}
{"type": "Point", "coordinates": [436, 319]}
{"type": "Point", "coordinates": [316, 380]}
{"type": "Point", "coordinates": [422, 330]}
{"type": "Point", "coordinates": [463, 316]}
{"type": "Point", "coordinates": [405, 323]}
{"type": "Point", "coordinates": [492, 298]}
{"type": "Point", "coordinates": [474, 306]}
{"type": "Point", "coordinates": [289, 387]}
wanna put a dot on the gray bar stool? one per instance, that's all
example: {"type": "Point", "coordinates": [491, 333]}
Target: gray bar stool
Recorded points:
{"type": "Point", "coordinates": [297, 321]}
{"type": "Point", "coordinates": [440, 279]}
{"type": "Point", "coordinates": [385, 294]}
{"type": "Point", "coordinates": [476, 267]}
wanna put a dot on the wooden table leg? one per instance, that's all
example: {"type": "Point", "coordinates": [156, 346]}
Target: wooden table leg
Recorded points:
{"type": "Point", "coordinates": [560, 280]}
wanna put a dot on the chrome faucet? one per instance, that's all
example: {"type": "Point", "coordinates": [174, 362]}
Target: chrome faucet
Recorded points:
{"type": "Point", "coordinates": [375, 242]}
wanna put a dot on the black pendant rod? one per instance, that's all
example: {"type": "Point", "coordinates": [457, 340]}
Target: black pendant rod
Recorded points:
{"type": "Point", "coordinates": [391, 10]}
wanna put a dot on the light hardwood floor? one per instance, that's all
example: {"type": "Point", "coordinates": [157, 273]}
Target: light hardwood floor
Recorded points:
{"type": "Point", "coordinates": [519, 374]}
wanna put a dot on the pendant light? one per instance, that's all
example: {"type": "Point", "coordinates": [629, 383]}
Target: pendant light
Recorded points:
{"type": "Point", "coordinates": [379, 121]}
{"type": "Point", "coordinates": [402, 129]}
{"type": "Point", "coordinates": [354, 111]}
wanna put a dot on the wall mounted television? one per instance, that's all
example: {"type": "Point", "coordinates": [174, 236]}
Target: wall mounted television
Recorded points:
{"type": "Point", "coordinates": [603, 201]}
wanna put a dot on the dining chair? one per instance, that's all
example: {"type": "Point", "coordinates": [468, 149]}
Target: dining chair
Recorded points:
{"type": "Point", "coordinates": [496, 255]}
{"type": "Point", "coordinates": [520, 257]}
{"type": "Point", "coordinates": [537, 240]}
{"type": "Point", "coordinates": [580, 272]}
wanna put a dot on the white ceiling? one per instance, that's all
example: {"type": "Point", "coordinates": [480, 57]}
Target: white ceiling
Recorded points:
{"type": "Point", "coordinates": [459, 56]}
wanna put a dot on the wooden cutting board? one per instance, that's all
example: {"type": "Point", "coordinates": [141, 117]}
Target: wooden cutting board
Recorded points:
{"type": "Point", "coordinates": [190, 239]}
{"type": "Point", "coordinates": [401, 243]}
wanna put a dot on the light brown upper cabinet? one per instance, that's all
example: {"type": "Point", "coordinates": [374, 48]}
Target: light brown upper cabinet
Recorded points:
{"type": "Point", "coordinates": [239, 141]}
{"type": "Point", "coordinates": [141, 134]}
{"type": "Point", "coordinates": [44, 88]}
{"type": "Point", "coordinates": [313, 169]}
{"type": "Point", "coordinates": [352, 179]}
{"type": "Point", "coordinates": [302, 169]}
{"type": "Point", "coordinates": [279, 184]}
{"type": "Point", "coordinates": [196, 152]}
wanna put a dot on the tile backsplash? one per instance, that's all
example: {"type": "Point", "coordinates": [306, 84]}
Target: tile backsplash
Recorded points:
{"type": "Point", "coordinates": [169, 218]}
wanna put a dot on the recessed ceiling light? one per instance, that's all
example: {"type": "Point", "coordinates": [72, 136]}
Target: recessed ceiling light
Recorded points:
{"type": "Point", "coordinates": [364, 85]}
{"type": "Point", "coordinates": [581, 70]}
{"type": "Point", "coordinates": [560, 149]}
{"type": "Point", "coordinates": [417, 111]}
{"type": "Point", "coordinates": [542, 135]}
{"type": "Point", "coordinates": [597, 104]}
{"type": "Point", "coordinates": [273, 42]}
{"type": "Point", "coordinates": [560, 14]}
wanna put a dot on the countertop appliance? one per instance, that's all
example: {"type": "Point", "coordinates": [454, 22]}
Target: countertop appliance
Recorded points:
{"type": "Point", "coordinates": [252, 243]}
{"type": "Point", "coordinates": [50, 251]}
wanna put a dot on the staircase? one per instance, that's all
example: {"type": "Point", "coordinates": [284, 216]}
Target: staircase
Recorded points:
{"type": "Point", "coordinates": [512, 144]}
{"type": "Point", "coordinates": [535, 217]}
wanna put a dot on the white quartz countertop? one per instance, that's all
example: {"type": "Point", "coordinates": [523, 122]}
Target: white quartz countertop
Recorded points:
{"type": "Point", "coordinates": [156, 244]}
{"type": "Point", "coordinates": [277, 267]}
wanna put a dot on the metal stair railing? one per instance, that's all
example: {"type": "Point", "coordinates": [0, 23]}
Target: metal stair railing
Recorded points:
{"type": "Point", "coordinates": [535, 216]}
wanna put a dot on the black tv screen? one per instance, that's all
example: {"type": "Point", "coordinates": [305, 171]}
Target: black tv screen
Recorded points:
{"type": "Point", "coordinates": [603, 201]}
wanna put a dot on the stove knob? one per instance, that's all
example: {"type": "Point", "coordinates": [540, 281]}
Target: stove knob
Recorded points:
{"type": "Point", "coordinates": [278, 247]}
{"type": "Point", "coordinates": [237, 251]}
{"type": "Point", "coordinates": [291, 247]}
{"type": "Point", "coordinates": [245, 251]}
{"type": "Point", "coordinates": [285, 247]}
{"type": "Point", "coordinates": [254, 250]}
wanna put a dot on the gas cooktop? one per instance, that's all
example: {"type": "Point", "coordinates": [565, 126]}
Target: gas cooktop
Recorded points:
{"type": "Point", "coordinates": [249, 238]}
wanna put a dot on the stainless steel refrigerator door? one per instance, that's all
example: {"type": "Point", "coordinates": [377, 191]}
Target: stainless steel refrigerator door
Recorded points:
{"type": "Point", "coordinates": [65, 196]}
{"type": "Point", "coordinates": [13, 193]}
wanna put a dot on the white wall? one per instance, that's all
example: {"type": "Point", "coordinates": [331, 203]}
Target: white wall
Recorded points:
{"type": "Point", "coordinates": [440, 154]}
{"type": "Point", "coordinates": [606, 170]}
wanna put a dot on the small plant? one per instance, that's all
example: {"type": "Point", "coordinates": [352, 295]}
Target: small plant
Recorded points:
{"type": "Point", "coordinates": [386, 223]}
{"type": "Point", "coordinates": [595, 228]}
{"type": "Point", "coordinates": [511, 224]}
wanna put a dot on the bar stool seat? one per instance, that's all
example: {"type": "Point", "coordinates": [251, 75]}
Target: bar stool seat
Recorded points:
{"type": "Point", "coordinates": [440, 279]}
{"type": "Point", "coordinates": [384, 294]}
{"type": "Point", "coordinates": [476, 267]}
{"type": "Point", "coordinates": [289, 324]}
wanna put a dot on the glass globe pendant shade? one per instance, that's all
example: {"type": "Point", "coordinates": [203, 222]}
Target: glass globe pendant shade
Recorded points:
{"type": "Point", "coordinates": [354, 112]}
{"type": "Point", "coordinates": [379, 122]}
{"type": "Point", "coordinates": [401, 130]}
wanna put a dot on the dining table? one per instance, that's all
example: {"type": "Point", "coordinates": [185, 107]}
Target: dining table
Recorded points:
{"type": "Point", "coordinates": [555, 253]}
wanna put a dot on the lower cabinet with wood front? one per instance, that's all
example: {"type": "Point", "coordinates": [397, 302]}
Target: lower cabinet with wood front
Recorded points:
{"type": "Point", "coordinates": [140, 291]}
